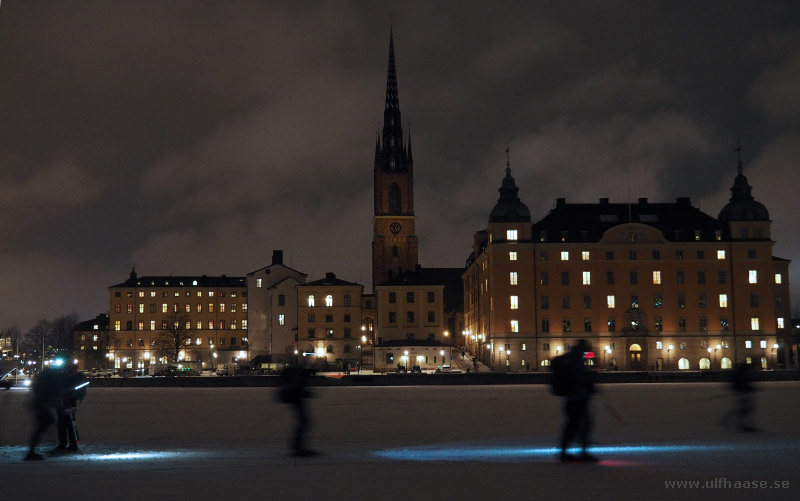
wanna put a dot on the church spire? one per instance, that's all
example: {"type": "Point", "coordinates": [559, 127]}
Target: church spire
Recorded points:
{"type": "Point", "coordinates": [392, 99]}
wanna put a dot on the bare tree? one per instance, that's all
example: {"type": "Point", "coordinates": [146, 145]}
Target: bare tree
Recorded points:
{"type": "Point", "coordinates": [63, 335]}
{"type": "Point", "coordinates": [38, 339]}
{"type": "Point", "coordinates": [172, 340]}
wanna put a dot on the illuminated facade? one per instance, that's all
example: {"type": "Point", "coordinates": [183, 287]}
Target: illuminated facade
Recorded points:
{"type": "Point", "coordinates": [653, 286]}
{"type": "Point", "coordinates": [209, 312]}
{"type": "Point", "coordinates": [329, 318]}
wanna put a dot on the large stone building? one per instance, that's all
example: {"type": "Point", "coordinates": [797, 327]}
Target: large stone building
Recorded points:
{"type": "Point", "coordinates": [652, 285]}
{"type": "Point", "coordinates": [208, 315]}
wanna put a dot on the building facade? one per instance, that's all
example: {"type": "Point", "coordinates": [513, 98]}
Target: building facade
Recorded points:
{"type": "Point", "coordinates": [208, 315]}
{"type": "Point", "coordinates": [272, 310]}
{"type": "Point", "coordinates": [329, 319]}
{"type": "Point", "coordinates": [653, 286]}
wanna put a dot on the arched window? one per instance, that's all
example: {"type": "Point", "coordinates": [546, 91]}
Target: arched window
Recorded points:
{"type": "Point", "coordinates": [683, 364]}
{"type": "Point", "coordinates": [394, 199]}
{"type": "Point", "coordinates": [725, 363]}
{"type": "Point", "coordinates": [329, 300]}
{"type": "Point", "coordinates": [705, 364]}
{"type": "Point", "coordinates": [311, 299]}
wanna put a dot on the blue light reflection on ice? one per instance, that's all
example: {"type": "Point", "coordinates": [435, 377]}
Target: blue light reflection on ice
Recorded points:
{"type": "Point", "coordinates": [127, 456]}
{"type": "Point", "coordinates": [522, 453]}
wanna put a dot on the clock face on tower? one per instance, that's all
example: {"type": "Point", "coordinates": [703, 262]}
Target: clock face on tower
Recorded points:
{"type": "Point", "coordinates": [395, 228]}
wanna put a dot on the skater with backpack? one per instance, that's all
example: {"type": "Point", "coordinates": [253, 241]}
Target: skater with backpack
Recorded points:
{"type": "Point", "coordinates": [575, 384]}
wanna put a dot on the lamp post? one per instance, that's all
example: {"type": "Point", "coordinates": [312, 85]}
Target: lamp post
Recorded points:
{"type": "Point", "coordinates": [361, 355]}
{"type": "Point", "coordinates": [774, 354]}
{"type": "Point", "coordinates": [710, 351]}
{"type": "Point", "coordinates": [607, 354]}
{"type": "Point", "coordinates": [508, 360]}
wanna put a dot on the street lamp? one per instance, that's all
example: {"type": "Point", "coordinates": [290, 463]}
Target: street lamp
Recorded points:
{"type": "Point", "coordinates": [709, 354]}
{"type": "Point", "coordinates": [669, 352]}
{"type": "Point", "coordinates": [508, 360]}
{"type": "Point", "coordinates": [774, 354]}
{"type": "Point", "coordinates": [360, 357]}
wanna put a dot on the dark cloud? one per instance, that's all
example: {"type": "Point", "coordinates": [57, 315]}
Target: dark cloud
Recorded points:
{"type": "Point", "coordinates": [194, 137]}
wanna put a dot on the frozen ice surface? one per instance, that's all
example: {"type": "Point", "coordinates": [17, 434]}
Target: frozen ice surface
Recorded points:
{"type": "Point", "coordinates": [407, 443]}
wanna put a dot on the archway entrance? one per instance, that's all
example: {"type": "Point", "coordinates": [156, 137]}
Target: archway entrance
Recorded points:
{"type": "Point", "coordinates": [635, 357]}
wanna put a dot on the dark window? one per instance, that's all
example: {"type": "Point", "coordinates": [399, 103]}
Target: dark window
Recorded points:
{"type": "Point", "coordinates": [632, 255]}
{"type": "Point", "coordinates": [701, 301]}
{"type": "Point", "coordinates": [545, 325]}
{"type": "Point", "coordinates": [612, 325]}
{"type": "Point", "coordinates": [394, 251]}
{"type": "Point", "coordinates": [722, 277]}
{"type": "Point", "coordinates": [431, 317]}
{"type": "Point", "coordinates": [587, 325]}
{"type": "Point", "coordinates": [545, 302]}
{"type": "Point", "coordinates": [657, 302]}
{"type": "Point", "coordinates": [329, 318]}
{"type": "Point", "coordinates": [567, 325]}
{"type": "Point", "coordinates": [347, 332]}
{"type": "Point", "coordinates": [347, 300]}
{"type": "Point", "coordinates": [233, 341]}
{"type": "Point", "coordinates": [701, 254]}
{"type": "Point", "coordinates": [311, 317]}
{"type": "Point", "coordinates": [656, 255]}
{"type": "Point", "coordinates": [681, 301]}
{"type": "Point", "coordinates": [392, 298]}
{"type": "Point", "coordinates": [394, 199]}
{"type": "Point", "coordinates": [543, 278]}
{"type": "Point", "coordinates": [609, 255]}
{"type": "Point", "coordinates": [431, 297]}
{"type": "Point", "coordinates": [754, 300]}
{"type": "Point", "coordinates": [410, 316]}
{"type": "Point", "coordinates": [679, 277]}
{"type": "Point", "coordinates": [634, 300]}
{"type": "Point", "coordinates": [701, 277]}
{"type": "Point", "coordinates": [678, 254]}
{"type": "Point", "coordinates": [543, 256]}
{"type": "Point", "coordinates": [703, 324]}
{"type": "Point", "coordinates": [310, 332]}
{"type": "Point", "coordinates": [587, 302]}
{"type": "Point", "coordinates": [610, 277]}
{"type": "Point", "coordinates": [565, 301]}
{"type": "Point", "coordinates": [634, 278]}
{"type": "Point", "coordinates": [564, 278]}
{"type": "Point", "coordinates": [409, 297]}
{"type": "Point", "coordinates": [682, 324]}
{"type": "Point", "coordinates": [751, 254]}
{"type": "Point", "coordinates": [346, 318]}
{"type": "Point", "coordinates": [659, 324]}
{"type": "Point", "coordinates": [392, 317]}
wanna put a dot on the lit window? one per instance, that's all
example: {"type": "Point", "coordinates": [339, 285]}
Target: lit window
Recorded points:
{"type": "Point", "coordinates": [752, 276]}
{"type": "Point", "coordinates": [659, 345]}
{"type": "Point", "coordinates": [723, 300]}
{"type": "Point", "coordinates": [585, 255]}
{"type": "Point", "coordinates": [281, 319]}
{"type": "Point", "coordinates": [656, 277]}
{"type": "Point", "coordinates": [117, 325]}
{"type": "Point", "coordinates": [587, 278]}
{"type": "Point", "coordinates": [511, 234]}
{"type": "Point", "coordinates": [512, 278]}
{"type": "Point", "coordinates": [763, 343]}
{"type": "Point", "coordinates": [720, 254]}
{"type": "Point", "coordinates": [512, 256]}
{"type": "Point", "coordinates": [152, 325]}
{"type": "Point", "coordinates": [311, 300]}
{"type": "Point", "coordinates": [329, 300]}
{"type": "Point", "coordinates": [780, 323]}
{"type": "Point", "coordinates": [565, 255]}
{"type": "Point", "coordinates": [778, 278]}
{"type": "Point", "coordinates": [611, 301]}
{"type": "Point", "coordinates": [748, 344]}
{"type": "Point", "coordinates": [515, 326]}
{"type": "Point", "coordinates": [199, 324]}
{"type": "Point", "coordinates": [514, 302]}
{"type": "Point", "coordinates": [754, 323]}
{"type": "Point", "coordinates": [258, 282]}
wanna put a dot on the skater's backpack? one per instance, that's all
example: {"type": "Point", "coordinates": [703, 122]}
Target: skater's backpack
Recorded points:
{"type": "Point", "coordinates": [562, 377]}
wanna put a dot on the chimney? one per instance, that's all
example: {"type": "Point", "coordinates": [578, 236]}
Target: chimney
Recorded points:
{"type": "Point", "coordinates": [560, 202]}
{"type": "Point", "coordinates": [603, 201]}
{"type": "Point", "coordinates": [133, 273]}
{"type": "Point", "coordinates": [642, 201]}
{"type": "Point", "coordinates": [330, 275]}
{"type": "Point", "coordinates": [277, 257]}
{"type": "Point", "coordinates": [684, 201]}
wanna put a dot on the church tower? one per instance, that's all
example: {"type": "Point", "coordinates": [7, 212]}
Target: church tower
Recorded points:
{"type": "Point", "coordinates": [394, 240]}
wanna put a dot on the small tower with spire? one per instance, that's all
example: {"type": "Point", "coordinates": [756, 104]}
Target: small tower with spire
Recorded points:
{"type": "Point", "coordinates": [747, 218]}
{"type": "Point", "coordinates": [394, 241]}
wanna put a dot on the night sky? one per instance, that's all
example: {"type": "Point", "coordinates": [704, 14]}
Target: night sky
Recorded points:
{"type": "Point", "coordinates": [193, 138]}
